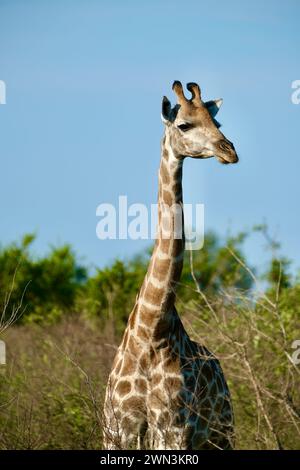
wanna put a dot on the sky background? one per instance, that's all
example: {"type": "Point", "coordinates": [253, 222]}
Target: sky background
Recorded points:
{"type": "Point", "coordinates": [82, 123]}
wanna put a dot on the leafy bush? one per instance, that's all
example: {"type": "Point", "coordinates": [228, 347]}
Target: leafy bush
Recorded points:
{"type": "Point", "coordinates": [110, 294]}
{"type": "Point", "coordinates": [48, 285]}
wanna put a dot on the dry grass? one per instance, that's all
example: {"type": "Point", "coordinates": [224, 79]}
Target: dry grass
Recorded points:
{"type": "Point", "coordinates": [51, 392]}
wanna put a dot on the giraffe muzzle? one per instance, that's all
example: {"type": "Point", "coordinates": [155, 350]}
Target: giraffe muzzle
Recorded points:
{"type": "Point", "coordinates": [225, 152]}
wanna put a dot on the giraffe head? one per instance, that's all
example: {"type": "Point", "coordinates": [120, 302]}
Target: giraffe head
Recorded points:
{"type": "Point", "coordinates": [192, 127]}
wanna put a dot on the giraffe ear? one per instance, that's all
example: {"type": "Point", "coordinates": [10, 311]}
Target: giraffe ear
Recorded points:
{"type": "Point", "coordinates": [213, 106]}
{"type": "Point", "coordinates": [166, 109]}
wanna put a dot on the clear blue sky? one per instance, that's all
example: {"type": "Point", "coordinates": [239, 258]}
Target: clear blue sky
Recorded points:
{"type": "Point", "coordinates": [82, 121]}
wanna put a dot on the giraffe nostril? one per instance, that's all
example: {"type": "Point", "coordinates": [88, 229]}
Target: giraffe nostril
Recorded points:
{"type": "Point", "coordinates": [227, 152]}
{"type": "Point", "coordinates": [222, 145]}
{"type": "Point", "coordinates": [226, 145]}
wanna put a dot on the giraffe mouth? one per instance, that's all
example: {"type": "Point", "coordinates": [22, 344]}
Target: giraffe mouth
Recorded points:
{"type": "Point", "coordinates": [222, 160]}
{"type": "Point", "coordinates": [226, 161]}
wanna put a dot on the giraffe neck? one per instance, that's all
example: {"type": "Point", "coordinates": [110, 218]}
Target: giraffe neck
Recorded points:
{"type": "Point", "coordinates": [157, 296]}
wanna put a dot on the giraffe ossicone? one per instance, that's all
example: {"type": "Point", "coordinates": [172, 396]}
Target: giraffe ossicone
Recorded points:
{"type": "Point", "coordinates": [165, 391]}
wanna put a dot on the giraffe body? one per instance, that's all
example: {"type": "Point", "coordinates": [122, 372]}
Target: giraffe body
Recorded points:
{"type": "Point", "coordinates": [164, 390]}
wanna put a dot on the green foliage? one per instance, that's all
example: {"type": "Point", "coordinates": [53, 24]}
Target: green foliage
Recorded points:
{"type": "Point", "coordinates": [47, 285]}
{"type": "Point", "coordinates": [110, 294]}
{"type": "Point", "coordinates": [277, 274]}
{"type": "Point", "coordinates": [214, 268]}
{"type": "Point", "coordinates": [56, 284]}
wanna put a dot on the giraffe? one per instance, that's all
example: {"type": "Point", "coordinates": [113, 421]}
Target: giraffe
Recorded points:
{"type": "Point", "coordinates": [165, 391]}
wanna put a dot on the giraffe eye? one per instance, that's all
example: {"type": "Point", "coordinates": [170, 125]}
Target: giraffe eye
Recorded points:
{"type": "Point", "coordinates": [185, 127]}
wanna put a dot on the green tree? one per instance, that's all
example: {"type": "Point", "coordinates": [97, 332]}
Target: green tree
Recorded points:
{"type": "Point", "coordinates": [47, 285]}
